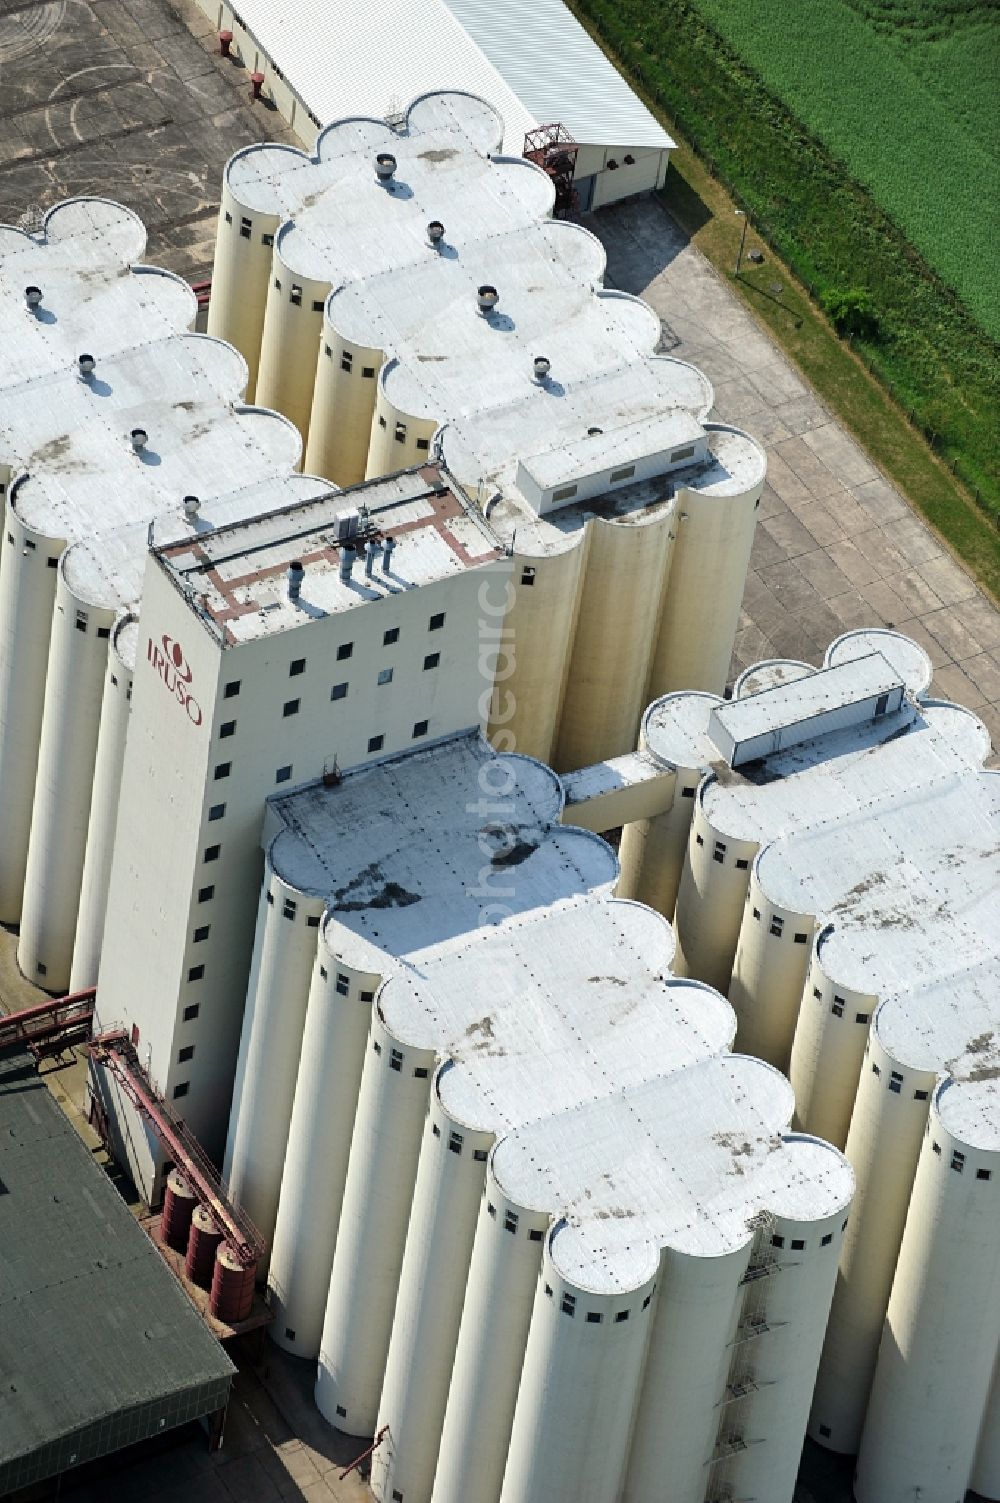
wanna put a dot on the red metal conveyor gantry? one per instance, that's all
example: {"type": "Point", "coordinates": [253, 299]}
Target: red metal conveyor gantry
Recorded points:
{"type": "Point", "coordinates": [115, 1052]}
{"type": "Point", "coordinates": [50, 1026]}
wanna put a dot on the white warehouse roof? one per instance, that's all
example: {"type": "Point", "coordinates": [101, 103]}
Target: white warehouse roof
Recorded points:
{"type": "Point", "coordinates": [531, 59]}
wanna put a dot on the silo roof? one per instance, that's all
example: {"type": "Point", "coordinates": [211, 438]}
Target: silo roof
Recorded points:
{"type": "Point", "coordinates": [553, 1014]}
{"type": "Point", "coordinates": [885, 830]}
{"type": "Point", "coordinates": [77, 478]}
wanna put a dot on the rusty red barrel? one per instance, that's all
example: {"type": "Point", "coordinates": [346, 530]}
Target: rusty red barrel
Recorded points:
{"type": "Point", "coordinates": [179, 1202]}
{"type": "Point", "coordinates": [203, 1240]}
{"type": "Point", "coordinates": [232, 1287]}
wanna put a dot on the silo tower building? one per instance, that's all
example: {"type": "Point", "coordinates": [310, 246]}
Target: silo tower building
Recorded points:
{"type": "Point", "coordinates": [406, 290]}
{"type": "Point", "coordinates": [118, 426]}
{"type": "Point", "coordinates": [563, 1243]}
{"type": "Point", "coordinates": [826, 842]}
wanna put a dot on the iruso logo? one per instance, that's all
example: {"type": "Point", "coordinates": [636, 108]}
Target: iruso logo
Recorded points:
{"type": "Point", "coordinates": [170, 663]}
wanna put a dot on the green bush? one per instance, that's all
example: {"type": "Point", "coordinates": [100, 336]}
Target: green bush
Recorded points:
{"type": "Point", "coordinates": [851, 312]}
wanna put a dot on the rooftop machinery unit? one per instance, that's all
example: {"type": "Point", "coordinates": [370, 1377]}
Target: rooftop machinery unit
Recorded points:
{"type": "Point", "coordinates": [552, 148]}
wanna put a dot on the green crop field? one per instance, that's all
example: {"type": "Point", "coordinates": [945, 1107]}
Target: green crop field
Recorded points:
{"type": "Point", "coordinates": [898, 94]}
{"type": "Point", "coordinates": [861, 137]}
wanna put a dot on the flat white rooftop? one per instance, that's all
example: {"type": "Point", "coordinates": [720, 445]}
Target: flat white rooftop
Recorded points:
{"type": "Point", "coordinates": [413, 855]}
{"type": "Point", "coordinates": [607, 400]}
{"type": "Point", "coordinates": [553, 1013]}
{"type": "Point", "coordinates": [534, 62]}
{"type": "Point", "coordinates": [886, 829]}
{"type": "Point", "coordinates": [236, 577]}
{"type": "Point", "coordinates": [78, 477]}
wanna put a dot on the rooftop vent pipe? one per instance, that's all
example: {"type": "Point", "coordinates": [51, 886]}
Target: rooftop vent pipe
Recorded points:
{"type": "Point", "coordinates": [86, 364]}
{"type": "Point", "coordinates": [387, 547]}
{"type": "Point", "coordinates": [541, 367]}
{"type": "Point", "coordinates": [435, 232]}
{"type": "Point", "coordinates": [296, 574]}
{"type": "Point", "coordinates": [348, 554]}
{"type": "Point", "coordinates": [191, 507]}
{"type": "Point", "coordinates": [371, 553]}
{"type": "Point", "coordinates": [32, 296]}
{"type": "Point", "coordinates": [385, 166]}
{"type": "Point", "coordinates": [138, 437]}
{"type": "Point", "coordinates": [487, 297]}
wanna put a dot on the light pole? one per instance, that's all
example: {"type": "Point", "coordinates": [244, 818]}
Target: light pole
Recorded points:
{"type": "Point", "coordinates": [739, 253]}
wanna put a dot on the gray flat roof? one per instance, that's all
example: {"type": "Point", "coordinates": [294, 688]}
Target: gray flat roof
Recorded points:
{"type": "Point", "coordinates": [100, 1345]}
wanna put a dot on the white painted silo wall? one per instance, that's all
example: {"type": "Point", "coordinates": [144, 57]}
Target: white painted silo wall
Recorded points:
{"type": "Point", "coordinates": [796, 1304]}
{"type": "Point", "coordinates": [578, 1392]}
{"type": "Point", "coordinates": [270, 1047]}
{"type": "Point", "coordinates": [397, 439]}
{"type": "Point", "coordinates": [530, 684]}
{"type": "Point", "coordinates": [690, 1353]}
{"type": "Point", "coordinates": [27, 592]}
{"type": "Point", "coordinates": [96, 878]}
{"type": "Point", "coordinates": [616, 625]}
{"type": "Point", "coordinates": [67, 752]}
{"type": "Point", "coordinates": [828, 1054]}
{"type": "Point", "coordinates": [883, 1146]}
{"type": "Point", "coordinates": [343, 405]}
{"type": "Point", "coordinates": [935, 1362]}
{"type": "Point", "coordinates": [377, 1196]}
{"type": "Point", "coordinates": [489, 1356]}
{"type": "Point", "coordinates": [652, 850]}
{"type": "Point", "coordinates": [318, 1149]}
{"type": "Point", "coordinates": [290, 346]}
{"type": "Point", "coordinates": [769, 972]}
{"type": "Point", "coordinates": [711, 901]}
{"type": "Point", "coordinates": [704, 592]}
{"type": "Point", "coordinates": [986, 1472]}
{"type": "Point", "coordinates": [241, 277]}
{"type": "Point", "coordinates": [446, 1201]}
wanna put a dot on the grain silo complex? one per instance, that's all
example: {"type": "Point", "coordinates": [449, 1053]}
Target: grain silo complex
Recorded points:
{"type": "Point", "coordinates": [333, 644]}
{"type": "Point", "coordinates": [827, 845]}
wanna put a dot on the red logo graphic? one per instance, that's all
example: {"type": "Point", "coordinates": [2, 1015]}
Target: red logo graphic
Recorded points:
{"type": "Point", "coordinates": [169, 662]}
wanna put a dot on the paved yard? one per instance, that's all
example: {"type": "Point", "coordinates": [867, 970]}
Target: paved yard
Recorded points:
{"type": "Point", "coordinates": [837, 546]}
{"type": "Point", "coordinates": [123, 98]}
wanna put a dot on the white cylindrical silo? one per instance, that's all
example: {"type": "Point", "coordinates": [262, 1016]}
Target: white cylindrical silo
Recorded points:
{"type": "Point", "coordinates": [392, 1104]}
{"type": "Point", "coordinates": [27, 592]}
{"type": "Point", "coordinates": [782, 1362]}
{"type": "Point", "coordinates": [986, 1472]}
{"type": "Point", "coordinates": [526, 651]}
{"type": "Point", "coordinates": [691, 1350]}
{"type": "Point", "coordinates": [446, 1201]}
{"type": "Point", "coordinates": [292, 342]}
{"type": "Point", "coordinates": [108, 766]}
{"type": "Point", "coordinates": [616, 623]}
{"type": "Point", "coordinates": [489, 1355]}
{"type": "Point", "coordinates": [332, 1056]}
{"type": "Point", "coordinates": [935, 1363]}
{"type": "Point", "coordinates": [241, 274]}
{"type": "Point", "coordinates": [579, 1387]}
{"type": "Point", "coordinates": [74, 692]}
{"type": "Point", "coordinates": [284, 951]}
{"type": "Point", "coordinates": [769, 972]}
{"type": "Point", "coordinates": [397, 439]}
{"type": "Point", "coordinates": [883, 1146]}
{"type": "Point", "coordinates": [711, 900]}
{"type": "Point", "coordinates": [343, 405]}
{"type": "Point", "coordinates": [828, 1052]}
{"type": "Point", "coordinates": [715, 526]}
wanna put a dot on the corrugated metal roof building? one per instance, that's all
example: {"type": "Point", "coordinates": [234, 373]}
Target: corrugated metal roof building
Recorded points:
{"type": "Point", "coordinates": [324, 60]}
